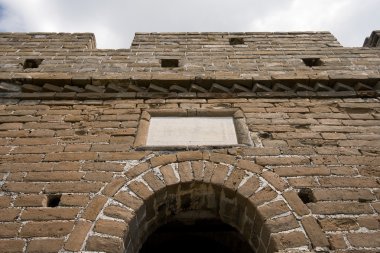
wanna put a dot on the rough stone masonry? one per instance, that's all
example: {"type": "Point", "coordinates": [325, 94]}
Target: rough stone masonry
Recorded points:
{"type": "Point", "coordinates": [78, 176]}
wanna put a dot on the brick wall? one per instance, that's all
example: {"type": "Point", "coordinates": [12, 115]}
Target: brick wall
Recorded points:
{"type": "Point", "coordinates": [327, 149]}
{"type": "Point", "coordinates": [74, 180]}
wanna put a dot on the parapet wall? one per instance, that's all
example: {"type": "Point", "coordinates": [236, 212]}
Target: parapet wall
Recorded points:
{"type": "Point", "coordinates": [239, 64]}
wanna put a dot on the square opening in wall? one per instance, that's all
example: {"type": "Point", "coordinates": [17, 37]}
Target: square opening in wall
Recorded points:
{"type": "Point", "coordinates": [312, 62]}
{"type": "Point", "coordinates": [236, 41]}
{"type": "Point", "coordinates": [32, 63]}
{"type": "Point", "coordinates": [169, 63]}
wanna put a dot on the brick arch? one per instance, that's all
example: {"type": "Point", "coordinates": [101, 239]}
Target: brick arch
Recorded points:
{"type": "Point", "coordinates": [240, 193]}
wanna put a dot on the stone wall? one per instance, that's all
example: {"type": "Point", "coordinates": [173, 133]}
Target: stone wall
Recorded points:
{"type": "Point", "coordinates": [324, 150]}
{"type": "Point", "coordinates": [75, 177]}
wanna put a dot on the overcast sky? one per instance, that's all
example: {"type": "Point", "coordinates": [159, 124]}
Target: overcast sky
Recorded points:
{"type": "Point", "coordinates": [114, 22]}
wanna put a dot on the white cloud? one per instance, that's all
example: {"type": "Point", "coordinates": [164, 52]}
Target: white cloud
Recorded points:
{"type": "Point", "coordinates": [115, 21]}
{"type": "Point", "coordinates": [338, 16]}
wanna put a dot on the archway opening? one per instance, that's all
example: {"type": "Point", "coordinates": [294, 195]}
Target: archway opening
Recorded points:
{"type": "Point", "coordinates": [201, 236]}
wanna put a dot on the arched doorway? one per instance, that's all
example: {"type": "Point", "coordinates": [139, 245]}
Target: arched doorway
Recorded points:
{"type": "Point", "coordinates": [203, 235]}
{"type": "Point", "coordinates": [190, 197]}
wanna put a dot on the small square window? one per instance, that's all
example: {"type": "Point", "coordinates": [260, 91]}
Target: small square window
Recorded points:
{"type": "Point", "coordinates": [32, 63]}
{"type": "Point", "coordinates": [236, 41]}
{"type": "Point", "coordinates": [163, 129]}
{"type": "Point", "coordinates": [169, 63]}
{"type": "Point", "coordinates": [312, 62]}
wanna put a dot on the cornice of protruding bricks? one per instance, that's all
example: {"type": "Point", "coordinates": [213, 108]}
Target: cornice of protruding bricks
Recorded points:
{"type": "Point", "coordinates": [196, 88]}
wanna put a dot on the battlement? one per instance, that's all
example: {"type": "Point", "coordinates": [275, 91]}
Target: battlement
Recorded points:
{"type": "Point", "coordinates": [58, 41]}
{"type": "Point", "coordinates": [229, 63]}
{"type": "Point", "coordinates": [251, 40]}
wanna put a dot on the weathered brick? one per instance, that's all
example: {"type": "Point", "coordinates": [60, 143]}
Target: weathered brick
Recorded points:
{"type": "Point", "coordinates": [303, 182]}
{"type": "Point", "coordinates": [333, 136]}
{"type": "Point", "coordinates": [360, 160]}
{"type": "Point", "coordinates": [185, 172]}
{"type": "Point", "coordinates": [119, 147]}
{"type": "Point", "coordinates": [41, 214]}
{"type": "Point", "coordinates": [103, 166]}
{"type": "Point", "coordinates": [249, 187]}
{"type": "Point", "coordinates": [9, 230]}
{"type": "Point", "coordinates": [153, 181]}
{"type": "Point", "coordinates": [264, 195]}
{"type": "Point", "coordinates": [287, 240]}
{"type": "Point", "coordinates": [338, 224]}
{"type": "Point", "coordinates": [370, 222]}
{"type": "Point", "coordinates": [169, 176]}
{"type": "Point", "coordinates": [282, 224]}
{"type": "Point", "coordinates": [68, 187]}
{"type": "Point", "coordinates": [296, 203]}
{"type": "Point", "coordinates": [111, 227]}
{"type": "Point", "coordinates": [282, 160]}
{"type": "Point", "coordinates": [189, 156]}
{"type": "Point", "coordinates": [349, 182]}
{"type": "Point", "coordinates": [222, 158]}
{"type": "Point", "coordinates": [234, 179]}
{"type": "Point", "coordinates": [77, 147]}
{"type": "Point", "coordinates": [376, 206]}
{"type": "Point", "coordinates": [339, 208]}
{"type": "Point", "coordinates": [197, 167]}
{"type": "Point", "coordinates": [9, 214]}
{"type": "Point", "coordinates": [73, 156]}
{"type": "Point", "coordinates": [5, 201]}
{"type": "Point", "coordinates": [36, 149]}
{"type": "Point", "coordinates": [46, 229]}
{"type": "Point", "coordinates": [129, 200]}
{"type": "Point", "coordinates": [314, 232]}
{"type": "Point", "coordinates": [100, 176]}
{"type": "Point", "coordinates": [163, 160]}
{"type": "Point", "coordinates": [44, 245]}
{"type": "Point", "coordinates": [114, 186]}
{"type": "Point", "coordinates": [25, 158]}
{"type": "Point", "coordinates": [106, 244]}
{"type": "Point", "coordinates": [94, 207]}
{"type": "Point", "coordinates": [220, 174]}
{"type": "Point", "coordinates": [137, 170]}
{"type": "Point", "coordinates": [140, 189]}
{"type": "Point", "coordinates": [250, 166]}
{"type": "Point", "coordinates": [77, 236]}
{"type": "Point", "coordinates": [35, 141]}
{"type": "Point", "coordinates": [120, 156]}
{"type": "Point", "coordinates": [119, 212]}
{"type": "Point", "coordinates": [74, 200]}
{"type": "Point", "coordinates": [272, 209]}
{"type": "Point", "coordinates": [337, 241]}
{"type": "Point", "coordinates": [295, 171]}
{"type": "Point", "coordinates": [30, 200]}
{"type": "Point", "coordinates": [362, 195]}
{"type": "Point", "coordinates": [54, 176]}
{"type": "Point", "coordinates": [12, 245]}
{"type": "Point", "coordinates": [369, 240]}
{"type": "Point", "coordinates": [369, 171]}
{"type": "Point", "coordinates": [10, 126]}
{"type": "Point", "coordinates": [261, 151]}
{"type": "Point", "coordinates": [277, 182]}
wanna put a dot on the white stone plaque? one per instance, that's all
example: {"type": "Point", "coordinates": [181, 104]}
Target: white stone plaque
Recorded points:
{"type": "Point", "coordinates": [191, 131]}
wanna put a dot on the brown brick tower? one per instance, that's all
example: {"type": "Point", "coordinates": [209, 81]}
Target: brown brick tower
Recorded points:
{"type": "Point", "coordinates": [252, 142]}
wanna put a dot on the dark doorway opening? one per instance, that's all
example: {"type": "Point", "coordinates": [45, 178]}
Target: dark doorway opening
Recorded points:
{"type": "Point", "coordinates": [201, 236]}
